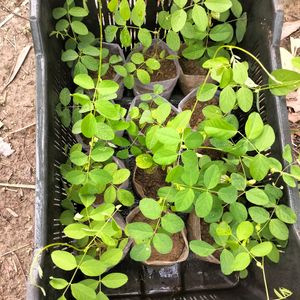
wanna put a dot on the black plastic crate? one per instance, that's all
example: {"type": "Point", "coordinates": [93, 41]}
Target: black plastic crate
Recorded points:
{"type": "Point", "coordinates": [191, 280]}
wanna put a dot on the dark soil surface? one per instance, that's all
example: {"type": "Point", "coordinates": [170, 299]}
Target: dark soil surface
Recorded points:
{"type": "Point", "coordinates": [198, 116]}
{"type": "Point", "coordinates": [191, 67]}
{"type": "Point", "coordinates": [178, 243]}
{"type": "Point", "coordinates": [167, 67]}
{"type": "Point", "coordinates": [150, 182]}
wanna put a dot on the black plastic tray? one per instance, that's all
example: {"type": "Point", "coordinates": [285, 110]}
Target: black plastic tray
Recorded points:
{"type": "Point", "coordinates": [192, 280]}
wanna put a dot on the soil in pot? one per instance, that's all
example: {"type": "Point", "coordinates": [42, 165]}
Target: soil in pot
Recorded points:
{"type": "Point", "coordinates": [191, 67]}
{"type": "Point", "coordinates": [197, 115]}
{"type": "Point", "coordinates": [178, 244]}
{"type": "Point", "coordinates": [147, 183]}
{"type": "Point", "coordinates": [167, 66]}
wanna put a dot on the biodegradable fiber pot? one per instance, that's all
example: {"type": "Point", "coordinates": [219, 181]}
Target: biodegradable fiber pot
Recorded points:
{"type": "Point", "coordinates": [146, 184]}
{"type": "Point", "coordinates": [168, 84]}
{"type": "Point", "coordinates": [188, 82]}
{"type": "Point", "coordinates": [196, 231]}
{"type": "Point", "coordinates": [180, 249]}
{"type": "Point", "coordinates": [115, 49]}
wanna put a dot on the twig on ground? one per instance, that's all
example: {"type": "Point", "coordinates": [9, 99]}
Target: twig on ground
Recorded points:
{"type": "Point", "coordinates": [21, 267]}
{"type": "Point", "coordinates": [9, 17]}
{"type": "Point", "coordinates": [12, 251]}
{"type": "Point", "coordinates": [20, 129]}
{"type": "Point", "coordinates": [4, 8]}
{"type": "Point", "coordinates": [18, 186]}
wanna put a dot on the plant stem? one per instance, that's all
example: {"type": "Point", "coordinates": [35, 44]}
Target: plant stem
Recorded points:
{"type": "Point", "coordinates": [265, 279]}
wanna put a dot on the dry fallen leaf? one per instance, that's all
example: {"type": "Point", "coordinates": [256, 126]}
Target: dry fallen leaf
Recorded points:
{"type": "Point", "coordinates": [288, 28]}
{"type": "Point", "coordinates": [294, 117]}
{"type": "Point", "coordinates": [21, 58]}
{"type": "Point", "coordinates": [5, 148]}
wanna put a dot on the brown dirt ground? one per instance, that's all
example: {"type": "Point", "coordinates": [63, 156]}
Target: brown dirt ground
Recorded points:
{"type": "Point", "coordinates": [17, 110]}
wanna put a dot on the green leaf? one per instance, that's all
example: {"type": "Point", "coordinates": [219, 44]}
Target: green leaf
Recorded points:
{"type": "Point", "coordinates": [227, 262]}
{"type": "Point", "coordinates": [259, 214]}
{"type": "Point", "coordinates": [266, 139]}
{"type": "Point", "coordinates": [79, 28]}
{"type": "Point", "coordinates": [153, 64]}
{"type": "Point", "coordinates": [286, 82]}
{"type": "Point", "coordinates": [193, 51]}
{"type": "Point", "coordinates": [236, 8]}
{"type": "Point", "coordinates": [285, 214]}
{"type": "Point", "coordinates": [104, 132]}
{"type": "Point", "coordinates": [110, 195]}
{"type": "Point", "coordinates": [287, 153]}
{"type": "Point", "coordinates": [108, 110]}
{"type": "Point", "coordinates": [84, 81]}
{"type": "Point", "coordinates": [137, 58]}
{"type": "Point", "coordinates": [139, 231]}
{"type": "Point", "coordinates": [238, 211]}
{"type": "Point", "coordinates": [145, 37]}
{"type": "Point", "coordinates": [244, 230]}
{"type": "Point", "coordinates": [279, 229]}
{"type": "Point", "coordinates": [140, 252]}
{"type": "Point", "coordinates": [107, 87]}
{"type": "Point", "coordinates": [180, 3]}
{"type": "Point", "coordinates": [238, 181]}
{"type": "Point", "coordinates": [181, 121]}
{"type": "Point", "coordinates": [64, 260]}
{"type": "Point", "coordinates": [89, 125]}
{"type": "Point", "coordinates": [172, 223]}
{"type": "Point", "coordinates": [124, 10]}
{"type": "Point", "coordinates": [212, 177]}
{"type": "Point", "coordinates": [162, 112]}
{"type": "Point", "coordinates": [240, 72]}
{"type": "Point", "coordinates": [82, 292]}
{"type": "Point", "coordinates": [69, 55]}
{"type": "Point", "coordinates": [125, 37]}
{"type": "Point", "coordinates": [58, 283]}
{"type": "Point", "coordinates": [77, 11]}
{"type": "Point", "coordinates": [241, 261]}
{"type": "Point", "coordinates": [223, 229]}
{"type": "Point", "coordinates": [120, 176]}
{"type": "Point", "coordinates": [100, 175]}
{"type": "Point", "coordinates": [204, 204]}
{"type": "Point", "coordinates": [78, 158]}
{"type": "Point", "coordinates": [200, 17]}
{"type": "Point", "coordinates": [193, 140]}
{"type": "Point", "coordinates": [244, 98]}
{"type": "Point", "coordinates": [162, 243]}
{"type": "Point", "coordinates": [173, 40]}
{"type": "Point", "coordinates": [59, 12]}
{"type": "Point", "coordinates": [165, 157]}
{"type": "Point", "coordinates": [168, 136]}
{"type": "Point", "coordinates": [257, 196]}
{"type": "Point", "coordinates": [241, 27]}
{"type": "Point", "coordinates": [259, 167]}
{"type": "Point", "coordinates": [202, 248]}
{"type": "Point", "coordinates": [178, 19]}
{"type": "Point", "coordinates": [143, 76]}
{"type": "Point", "coordinates": [262, 249]}
{"type": "Point", "coordinates": [111, 257]}
{"type": "Point", "coordinates": [75, 177]}
{"type": "Point", "coordinates": [184, 199]}
{"type": "Point", "coordinates": [138, 13]}
{"type": "Point", "coordinates": [218, 5]}
{"type": "Point", "coordinates": [254, 126]}
{"type": "Point", "coordinates": [125, 197]}
{"type": "Point", "coordinates": [150, 208]}
{"type": "Point", "coordinates": [206, 92]}
{"type": "Point", "coordinates": [228, 194]}
{"type": "Point", "coordinates": [62, 25]}
{"type": "Point", "coordinates": [144, 161]}
{"type": "Point", "coordinates": [227, 99]}
{"type": "Point", "coordinates": [220, 129]}
{"type": "Point", "coordinates": [101, 154]}
{"type": "Point", "coordinates": [221, 32]}
{"type": "Point", "coordinates": [65, 97]}
{"type": "Point", "coordinates": [92, 267]}
{"type": "Point", "coordinates": [110, 32]}
{"type": "Point", "coordinates": [112, 6]}
{"type": "Point", "coordinates": [76, 231]}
